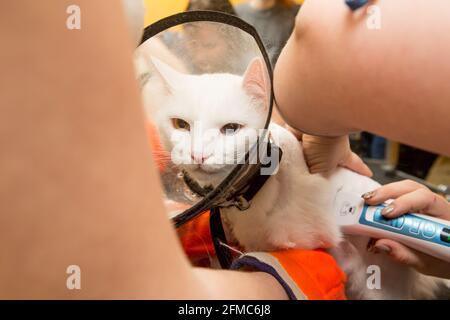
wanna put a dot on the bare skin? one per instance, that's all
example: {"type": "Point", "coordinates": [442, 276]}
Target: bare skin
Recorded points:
{"type": "Point", "coordinates": [78, 181]}
{"type": "Point", "coordinates": [392, 81]}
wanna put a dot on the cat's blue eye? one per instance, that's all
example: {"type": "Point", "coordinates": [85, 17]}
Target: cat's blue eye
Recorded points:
{"type": "Point", "coordinates": [180, 124]}
{"type": "Point", "coordinates": [231, 128]}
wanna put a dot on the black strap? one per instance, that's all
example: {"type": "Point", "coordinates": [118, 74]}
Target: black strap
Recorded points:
{"type": "Point", "coordinates": [215, 221]}
{"type": "Point", "coordinates": [258, 181]}
{"type": "Point", "coordinates": [218, 237]}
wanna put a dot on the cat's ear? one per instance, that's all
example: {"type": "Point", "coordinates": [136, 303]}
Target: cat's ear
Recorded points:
{"type": "Point", "coordinates": [256, 82]}
{"type": "Point", "coordinates": [170, 77]}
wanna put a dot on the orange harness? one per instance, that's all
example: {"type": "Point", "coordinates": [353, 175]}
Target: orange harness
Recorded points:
{"type": "Point", "coordinates": [307, 274]}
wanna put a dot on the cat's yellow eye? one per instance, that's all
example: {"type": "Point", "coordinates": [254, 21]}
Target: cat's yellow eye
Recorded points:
{"type": "Point", "coordinates": [230, 128]}
{"type": "Point", "coordinates": [180, 124]}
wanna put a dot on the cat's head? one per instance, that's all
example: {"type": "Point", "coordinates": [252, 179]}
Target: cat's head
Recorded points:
{"type": "Point", "coordinates": [208, 122]}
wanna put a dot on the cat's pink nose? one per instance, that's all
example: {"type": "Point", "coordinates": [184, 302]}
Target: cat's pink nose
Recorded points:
{"type": "Point", "coordinates": [199, 158]}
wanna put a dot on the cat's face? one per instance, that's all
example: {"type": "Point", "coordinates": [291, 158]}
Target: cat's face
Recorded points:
{"type": "Point", "coordinates": [208, 122]}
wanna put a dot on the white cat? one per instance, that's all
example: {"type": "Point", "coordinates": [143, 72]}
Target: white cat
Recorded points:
{"type": "Point", "coordinates": [294, 208]}
{"type": "Point", "coordinates": [204, 119]}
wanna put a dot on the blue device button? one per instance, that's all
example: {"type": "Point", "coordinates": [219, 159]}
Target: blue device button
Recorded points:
{"type": "Point", "coordinates": [394, 223]}
{"type": "Point", "coordinates": [429, 230]}
{"type": "Point", "coordinates": [414, 225]}
{"type": "Point", "coordinates": [378, 217]}
{"type": "Point", "coordinates": [398, 223]}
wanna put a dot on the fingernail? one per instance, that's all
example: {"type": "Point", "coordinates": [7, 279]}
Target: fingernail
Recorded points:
{"type": "Point", "coordinates": [368, 195]}
{"type": "Point", "coordinates": [370, 244]}
{"type": "Point", "coordinates": [386, 211]}
{"type": "Point", "coordinates": [381, 248]}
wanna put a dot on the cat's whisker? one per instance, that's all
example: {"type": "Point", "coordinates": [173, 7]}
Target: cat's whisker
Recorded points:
{"type": "Point", "coordinates": [223, 244]}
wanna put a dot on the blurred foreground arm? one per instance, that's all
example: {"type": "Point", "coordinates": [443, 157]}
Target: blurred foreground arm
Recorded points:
{"type": "Point", "coordinates": [78, 185]}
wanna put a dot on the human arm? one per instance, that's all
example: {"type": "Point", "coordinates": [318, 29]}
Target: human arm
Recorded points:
{"type": "Point", "coordinates": [337, 76]}
{"type": "Point", "coordinates": [78, 182]}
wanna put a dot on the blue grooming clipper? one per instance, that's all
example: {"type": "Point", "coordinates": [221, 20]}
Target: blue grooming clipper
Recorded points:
{"type": "Point", "coordinates": [424, 233]}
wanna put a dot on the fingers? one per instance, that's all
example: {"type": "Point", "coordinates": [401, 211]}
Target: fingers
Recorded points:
{"type": "Point", "coordinates": [419, 201]}
{"type": "Point", "coordinates": [411, 197]}
{"type": "Point", "coordinates": [324, 154]}
{"type": "Point", "coordinates": [398, 252]}
{"type": "Point", "coordinates": [391, 191]}
{"type": "Point", "coordinates": [410, 257]}
{"type": "Point", "coordinates": [319, 168]}
{"type": "Point", "coordinates": [321, 154]}
{"type": "Point", "coordinates": [319, 165]}
{"type": "Point", "coordinates": [355, 163]}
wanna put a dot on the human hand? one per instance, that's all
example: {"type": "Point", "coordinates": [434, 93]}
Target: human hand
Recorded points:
{"type": "Point", "coordinates": [410, 197]}
{"type": "Point", "coordinates": [324, 154]}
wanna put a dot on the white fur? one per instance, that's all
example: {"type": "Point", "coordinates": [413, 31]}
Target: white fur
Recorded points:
{"type": "Point", "coordinates": [294, 208]}
{"type": "Point", "coordinates": [285, 213]}
{"type": "Point", "coordinates": [209, 101]}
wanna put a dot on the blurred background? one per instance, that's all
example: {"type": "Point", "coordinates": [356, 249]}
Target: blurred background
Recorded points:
{"type": "Point", "coordinates": [274, 21]}
{"type": "Point", "coordinates": [157, 9]}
